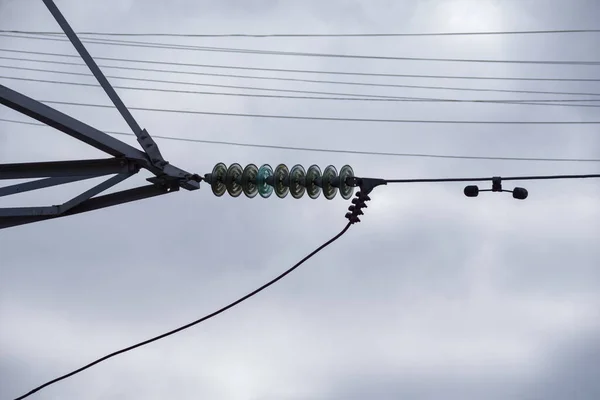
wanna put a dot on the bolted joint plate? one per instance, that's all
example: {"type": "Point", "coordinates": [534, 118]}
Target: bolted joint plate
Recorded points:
{"type": "Point", "coordinates": [174, 176]}
{"type": "Point", "coordinates": [170, 174]}
{"type": "Point", "coordinates": [151, 148]}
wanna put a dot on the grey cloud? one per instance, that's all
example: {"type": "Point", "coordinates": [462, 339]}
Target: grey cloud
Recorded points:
{"type": "Point", "coordinates": [483, 295]}
{"type": "Point", "coordinates": [573, 371]}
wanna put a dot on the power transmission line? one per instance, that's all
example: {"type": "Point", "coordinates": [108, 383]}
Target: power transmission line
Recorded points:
{"type": "Point", "coordinates": [221, 85]}
{"type": "Point", "coordinates": [332, 119]}
{"type": "Point", "coordinates": [193, 323]}
{"type": "Point", "coordinates": [547, 103]}
{"type": "Point", "coordinates": [212, 93]}
{"type": "Point", "coordinates": [508, 178]}
{"type": "Point", "coordinates": [339, 151]}
{"type": "Point", "coordinates": [130, 43]}
{"type": "Point", "coordinates": [303, 71]}
{"type": "Point", "coordinates": [314, 35]}
{"type": "Point", "coordinates": [325, 82]}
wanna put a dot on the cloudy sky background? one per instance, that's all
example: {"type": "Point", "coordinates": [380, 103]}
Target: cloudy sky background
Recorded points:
{"type": "Point", "coordinates": [432, 296]}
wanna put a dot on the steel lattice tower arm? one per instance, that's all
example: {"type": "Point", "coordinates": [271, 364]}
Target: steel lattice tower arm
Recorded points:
{"type": "Point", "coordinates": [125, 161]}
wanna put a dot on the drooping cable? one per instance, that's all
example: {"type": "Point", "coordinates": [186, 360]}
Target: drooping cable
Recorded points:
{"type": "Point", "coordinates": [191, 324]}
{"type": "Point", "coordinates": [508, 178]}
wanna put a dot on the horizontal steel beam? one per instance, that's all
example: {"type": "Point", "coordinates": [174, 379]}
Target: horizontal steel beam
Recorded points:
{"type": "Point", "coordinates": [92, 204]}
{"type": "Point", "coordinates": [97, 167]}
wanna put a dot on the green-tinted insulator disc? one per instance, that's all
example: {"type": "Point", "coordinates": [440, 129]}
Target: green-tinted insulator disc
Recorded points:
{"type": "Point", "coordinates": [297, 181]}
{"type": "Point", "coordinates": [281, 186]}
{"type": "Point", "coordinates": [217, 183]}
{"type": "Point", "coordinates": [249, 180]}
{"type": "Point", "coordinates": [264, 189]}
{"type": "Point", "coordinates": [346, 191]}
{"type": "Point", "coordinates": [312, 176]}
{"type": "Point", "coordinates": [233, 180]}
{"type": "Point", "coordinates": [329, 191]}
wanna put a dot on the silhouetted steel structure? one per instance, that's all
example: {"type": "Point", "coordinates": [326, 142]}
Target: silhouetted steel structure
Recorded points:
{"type": "Point", "coordinates": [126, 160]}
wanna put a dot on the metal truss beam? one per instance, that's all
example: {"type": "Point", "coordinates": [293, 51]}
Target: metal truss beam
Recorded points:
{"type": "Point", "coordinates": [40, 184]}
{"type": "Point", "coordinates": [98, 167]}
{"type": "Point", "coordinates": [127, 159]}
{"type": "Point", "coordinates": [94, 137]}
{"type": "Point", "coordinates": [60, 209]}
{"type": "Point", "coordinates": [95, 203]}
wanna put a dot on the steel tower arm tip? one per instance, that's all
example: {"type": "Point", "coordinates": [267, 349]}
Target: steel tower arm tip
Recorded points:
{"type": "Point", "coordinates": [126, 161]}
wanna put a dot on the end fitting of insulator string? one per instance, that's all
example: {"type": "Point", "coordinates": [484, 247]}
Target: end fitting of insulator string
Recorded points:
{"type": "Point", "coordinates": [366, 186]}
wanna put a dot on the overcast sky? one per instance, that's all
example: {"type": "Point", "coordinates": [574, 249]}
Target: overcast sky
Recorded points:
{"type": "Point", "coordinates": [432, 296]}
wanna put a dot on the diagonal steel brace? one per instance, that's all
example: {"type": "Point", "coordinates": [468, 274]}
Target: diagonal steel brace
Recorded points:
{"type": "Point", "coordinates": [40, 184]}
{"type": "Point", "coordinates": [144, 139]}
{"type": "Point", "coordinates": [95, 203]}
{"type": "Point", "coordinates": [94, 137]}
{"type": "Point", "coordinates": [62, 208]}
